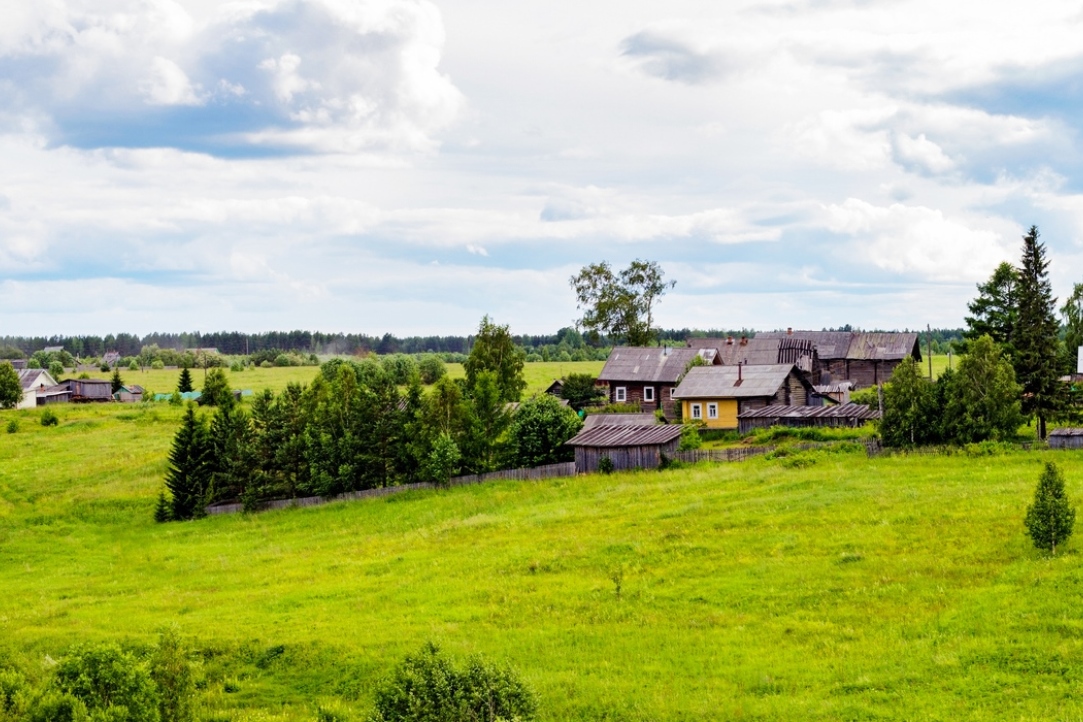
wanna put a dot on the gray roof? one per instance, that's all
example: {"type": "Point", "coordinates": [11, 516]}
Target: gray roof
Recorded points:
{"type": "Point", "coordinates": [594, 420]}
{"type": "Point", "coordinates": [34, 377]}
{"type": "Point", "coordinates": [733, 382]}
{"type": "Point", "coordinates": [861, 412]}
{"type": "Point", "coordinates": [1066, 432]}
{"type": "Point", "coordinates": [857, 345]}
{"type": "Point", "coordinates": [649, 365]}
{"type": "Point", "coordinates": [609, 436]}
{"type": "Point", "coordinates": [759, 350]}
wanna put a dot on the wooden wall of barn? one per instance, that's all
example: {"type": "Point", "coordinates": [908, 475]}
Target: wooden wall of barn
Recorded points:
{"type": "Point", "coordinates": [863, 373]}
{"type": "Point", "coordinates": [634, 395]}
{"type": "Point", "coordinates": [624, 458]}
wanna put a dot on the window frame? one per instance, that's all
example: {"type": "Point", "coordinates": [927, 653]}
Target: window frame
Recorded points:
{"type": "Point", "coordinates": [648, 394]}
{"type": "Point", "coordinates": [712, 410]}
{"type": "Point", "coordinates": [620, 394]}
{"type": "Point", "coordinates": [697, 411]}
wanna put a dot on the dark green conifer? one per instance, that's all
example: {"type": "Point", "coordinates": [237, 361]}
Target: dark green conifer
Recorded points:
{"type": "Point", "coordinates": [1050, 519]}
{"type": "Point", "coordinates": [184, 384]}
{"type": "Point", "coordinates": [189, 475]}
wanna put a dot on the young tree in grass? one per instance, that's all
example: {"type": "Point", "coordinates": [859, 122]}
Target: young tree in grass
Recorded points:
{"type": "Point", "coordinates": [494, 350]}
{"type": "Point", "coordinates": [1050, 519]}
{"type": "Point", "coordinates": [11, 389]}
{"type": "Point", "coordinates": [443, 460]}
{"type": "Point", "coordinates": [116, 382]}
{"type": "Point", "coordinates": [56, 370]}
{"type": "Point", "coordinates": [910, 416]}
{"type": "Point", "coordinates": [1035, 337]}
{"type": "Point", "coordinates": [111, 683]}
{"type": "Point", "coordinates": [188, 477]}
{"type": "Point", "coordinates": [184, 383]}
{"type": "Point", "coordinates": [216, 391]}
{"type": "Point", "coordinates": [539, 428]}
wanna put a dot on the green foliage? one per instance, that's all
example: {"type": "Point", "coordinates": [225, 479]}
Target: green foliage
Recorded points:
{"type": "Point", "coordinates": [133, 365]}
{"type": "Point", "coordinates": [59, 707]}
{"type": "Point", "coordinates": [49, 418]}
{"type": "Point", "coordinates": [13, 426]}
{"type": "Point", "coordinates": [487, 420]}
{"type": "Point", "coordinates": [580, 390]}
{"type": "Point", "coordinates": [443, 460]}
{"type": "Point", "coordinates": [538, 431]}
{"type": "Point", "coordinates": [495, 350]}
{"type": "Point", "coordinates": [402, 369]}
{"type": "Point", "coordinates": [1072, 313]}
{"type": "Point", "coordinates": [605, 465]}
{"type": "Point", "coordinates": [429, 687]}
{"type": "Point", "coordinates": [216, 391]}
{"type": "Point", "coordinates": [620, 305]}
{"type": "Point", "coordinates": [1035, 339]}
{"type": "Point", "coordinates": [116, 382]}
{"type": "Point", "coordinates": [910, 413]}
{"type": "Point", "coordinates": [982, 397]}
{"type": "Point", "coordinates": [56, 370]}
{"type": "Point", "coordinates": [868, 396]}
{"type": "Point", "coordinates": [690, 438]}
{"type": "Point", "coordinates": [175, 399]}
{"type": "Point", "coordinates": [163, 509]}
{"type": "Point", "coordinates": [188, 477]}
{"type": "Point", "coordinates": [184, 381]}
{"type": "Point", "coordinates": [431, 367]}
{"type": "Point", "coordinates": [1050, 519]}
{"type": "Point", "coordinates": [157, 364]}
{"type": "Point", "coordinates": [112, 683]}
{"type": "Point", "coordinates": [995, 310]}
{"type": "Point", "coordinates": [11, 390]}
{"type": "Point", "coordinates": [236, 366]}
{"type": "Point", "coordinates": [172, 675]}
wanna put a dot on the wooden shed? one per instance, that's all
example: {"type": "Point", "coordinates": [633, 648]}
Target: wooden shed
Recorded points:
{"type": "Point", "coordinates": [628, 447]}
{"type": "Point", "coordinates": [86, 390]}
{"type": "Point", "coordinates": [1066, 439]}
{"type": "Point", "coordinates": [848, 415]}
{"type": "Point", "coordinates": [866, 358]}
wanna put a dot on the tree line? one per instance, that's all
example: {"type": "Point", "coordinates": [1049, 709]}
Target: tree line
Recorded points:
{"type": "Point", "coordinates": [354, 427]}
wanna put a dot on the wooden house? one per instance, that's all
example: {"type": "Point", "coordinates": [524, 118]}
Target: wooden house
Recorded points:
{"type": "Point", "coordinates": [761, 351]}
{"type": "Point", "coordinates": [88, 390]}
{"type": "Point", "coordinates": [647, 377]}
{"type": "Point", "coordinates": [130, 394]}
{"type": "Point", "coordinates": [628, 447]}
{"type": "Point", "coordinates": [1066, 438]}
{"type": "Point", "coordinates": [715, 395]}
{"type": "Point", "coordinates": [556, 388]}
{"type": "Point", "coordinates": [33, 382]}
{"type": "Point", "coordinates": [861, 357]}
{"type": "Point", "coordinates": [848, 415]}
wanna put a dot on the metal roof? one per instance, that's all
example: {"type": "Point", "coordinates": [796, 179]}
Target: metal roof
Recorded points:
{"type": "Point", "coordinates": [594, 420]}
{"type": "Point", "coordinates": [1066, 432]}
{"type": "Point", "coordinates": [732, 382]}
{"type": "Point", "coordinates": [650, 365]}
{"type": "Point", "coordinates": [857, 345]}
{"type": "Point", "coordinates": [860, 412]}
{"type": "Point", "coordinates": [609, 436]}
{"type": "Point", "coordinates": [33, 377]}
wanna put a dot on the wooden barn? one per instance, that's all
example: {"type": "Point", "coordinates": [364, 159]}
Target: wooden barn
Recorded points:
{"type": "Point", "coordinates": [715, 395]}
{"type": "Point", "coordinates": [848, 415]}
{"type": "Point", "coordinates": [863, 358]}
{"type": "Point", "coordinates": [647, 376]}
{"type": "Point", "coordinates": [133, 394]}
{"type": "Point", "coordinates": [761, 351]}
{"type": "Point", "coordinates": [1065, 439]}
{"type": "Point", "coordinates": [88, 390]}
{"type": "Point", "coordinates": [628, 447]}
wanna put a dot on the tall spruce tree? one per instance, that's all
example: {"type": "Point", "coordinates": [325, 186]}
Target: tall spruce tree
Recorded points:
{"type": "Point", "coordinates": [1034, 337]}
{"type": "Point", "coordinates": [994, 311]}
{"type": "Point", "coordinates": [184, 383]}
{"type": "Point", "coordinates": [190, 466]}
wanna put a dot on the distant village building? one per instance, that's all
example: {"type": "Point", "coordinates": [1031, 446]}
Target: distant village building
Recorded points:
{"type": "Point", "coordinates": [34, 383]}
{"type": "Point", "coordinates": [715, 395]}
{"type": "Point", "coordinates": [1065, 438]}
{"type": "Point", "coordinates": [848, 415]}
{"type": "Point", "coordinates": [647, 377]}
{"type": "Point", "coordinates": [87, 390]}
{"type": "Point", "coordinates": [865, 358]}
{"type": "Point", "coordinates": [129, 394]}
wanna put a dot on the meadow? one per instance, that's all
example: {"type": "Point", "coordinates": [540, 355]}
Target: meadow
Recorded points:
{"type": "Point", "coordinates": [822, 586]}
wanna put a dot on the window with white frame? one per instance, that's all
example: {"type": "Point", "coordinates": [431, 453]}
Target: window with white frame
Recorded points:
{"type": "Point", "coordinates": [712, 411]}
{"type": "Point", "coordinates": [620, 395]}
{"type": "Point", "coordinates": [697, 411]}
{"type": "Point", "coordinates": [648, 393]}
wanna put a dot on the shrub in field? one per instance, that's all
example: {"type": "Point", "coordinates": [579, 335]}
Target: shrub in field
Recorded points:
{"type": "Point", "coordinates": [216, 391]}
{"type": "Point", "coordinates": [1050, 519]}
{"type": "Point", "coordinates": [431, 367]}
{"type": "Point", "coordinates": [157, 364]}
{"type": "Point", "coordinates": [57, 707]}
{"type": "Point", "coordinates": [538, 432]}
{"type": "Point", "coordinates": [429, 687]}
{"type": "Point", "coordinates": [11, 390]}
{"type": "Point", "coordinates": [605, 465]}
{"type": "Point", "coordinates": [690, 438]}
{"type": "Point", "coordinates": [172, 675]}
{"type": "Point", "coordinates": [111, 683]}
{"type": "Point", "coordinates": [184, 381]}
{"type": "Point", "coordinates": [236, 366]}
{"type": "Point", "coordinates": [48, 418]}
{"type": "Point", "coordinates": [13, 426]}
{"type": "Point", "coordinates": [56, 370]}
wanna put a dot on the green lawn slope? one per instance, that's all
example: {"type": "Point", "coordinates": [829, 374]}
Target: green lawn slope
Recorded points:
{"type": "Point", "coordinates": [831, 587]}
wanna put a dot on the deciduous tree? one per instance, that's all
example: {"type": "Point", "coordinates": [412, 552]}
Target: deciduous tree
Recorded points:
{"type": "Point", "coordinates": [909, 408]}
{"type": "Point", "coordinates": [538, 431]}
{"type": "Point", "coordinates": [11, 390]}
{"type": "Point", "coordinates": [494, 350]}
{"type": "Point", "coordinates": [983, 398]}
{"type": "Point", "coordinates": [620, 305]}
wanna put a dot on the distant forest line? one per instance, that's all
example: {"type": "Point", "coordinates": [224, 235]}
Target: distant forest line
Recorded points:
{"type": "Point", "coordinates": [237, 343]}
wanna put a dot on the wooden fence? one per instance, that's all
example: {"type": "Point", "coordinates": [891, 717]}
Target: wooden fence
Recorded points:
{"type": "Point", "coordinates": [737, 453]}
{"type": "Point", "coordinates": [550, 471]}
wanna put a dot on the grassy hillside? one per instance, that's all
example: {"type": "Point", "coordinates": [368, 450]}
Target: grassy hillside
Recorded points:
{"type": "Point", "coordinates": [827, 587]}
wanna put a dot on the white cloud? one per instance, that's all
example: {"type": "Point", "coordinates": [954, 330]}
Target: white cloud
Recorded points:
{"type": "Point", "coordinates": [922, 152]}
{"type": "Point", "coordinates": [167, 84]}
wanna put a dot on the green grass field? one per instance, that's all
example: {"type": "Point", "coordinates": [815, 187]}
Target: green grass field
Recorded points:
{"type": "Point", "coordinates": [837, 588]}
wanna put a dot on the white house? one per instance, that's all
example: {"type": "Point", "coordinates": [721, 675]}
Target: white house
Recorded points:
{"type": "Point", "coordinates": [33, 381]}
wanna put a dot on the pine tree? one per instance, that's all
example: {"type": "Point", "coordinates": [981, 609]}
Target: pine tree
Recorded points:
{"type": "Point", "coordinates": [189, 475]}
{"type": "Point", "coordinates": [1035, 336]}
{"type": "Point", "coordinates": [994, 310]}
{"type": "Point", "coordinates": [184, 384]}
{"type": "Point", "coordinates": [1050, 518]}
{"type": "Point", "coordinates": [116, 382]}
{"type": "Point", "coordinates": [163, 509]}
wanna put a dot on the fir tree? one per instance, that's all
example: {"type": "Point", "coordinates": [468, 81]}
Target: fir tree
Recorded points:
{"type": "Point", "coordinates": [1050, 518]}
{"type": "Point", "coordinates": [189, 475]}
{"type": "Point", "coordinates": [163, 509]}
{"type": "Point", "coordinates": [116, 382]}
{"type": "Point", "coordinates": [994, 311]}
{"type": "Point", "coordinates": [1035, 336]}
{"type": "Point", "coordinates": [184, 384]}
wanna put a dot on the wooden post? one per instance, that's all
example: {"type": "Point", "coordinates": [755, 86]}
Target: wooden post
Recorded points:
{"type": "Point", "coordinates": [929, 348]}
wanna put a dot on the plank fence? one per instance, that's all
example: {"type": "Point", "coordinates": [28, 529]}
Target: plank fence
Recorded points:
{"type": "Point", "coordinates": [737, 453]}
{"type": "Point", "coordinates": [550, 471]}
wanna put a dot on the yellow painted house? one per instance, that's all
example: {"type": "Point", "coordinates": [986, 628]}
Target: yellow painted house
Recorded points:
{"type": "Point", "coordinates": [715, 395]}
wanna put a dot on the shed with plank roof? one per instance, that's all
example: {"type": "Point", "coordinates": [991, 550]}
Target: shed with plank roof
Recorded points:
{"type": "Point", "coordinates": [628, 447]}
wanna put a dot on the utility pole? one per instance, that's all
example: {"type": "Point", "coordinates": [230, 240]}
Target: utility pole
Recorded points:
{"type": "Point", "coordinates": [929, 347]}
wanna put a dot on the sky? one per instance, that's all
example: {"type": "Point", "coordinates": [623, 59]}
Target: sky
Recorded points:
{"type": "Point", "coordinates": [408, 166]}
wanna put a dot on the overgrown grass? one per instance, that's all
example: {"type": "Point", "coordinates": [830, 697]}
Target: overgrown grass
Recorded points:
{"type": "Point", "coordinates": [844, 588]}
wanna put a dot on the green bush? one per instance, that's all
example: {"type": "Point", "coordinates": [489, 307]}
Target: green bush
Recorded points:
{"type": "Point", "coordinates": [111, 683]}
{"type": "Point", "coordinates": [48, 418]}
{"type": "Point", "coordinates": [236, 366]}
{"type": "Point", "coordinates": [282, 360]}
{"type": "Point", "coordinates": [429, 687]}
{"type": "Point", "coordinates": [56, 370]}
{"type": "Point", "coordinates": [690, 438]}
{"type": "Point", "coordinates": [13, 426]}
{"type": "Point", "coordinates": [157, 364]}
{"type": "Point", "coordinates": [266, 365]}
{"type": "Point", "coordinates": [605, 465]}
